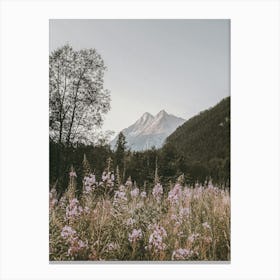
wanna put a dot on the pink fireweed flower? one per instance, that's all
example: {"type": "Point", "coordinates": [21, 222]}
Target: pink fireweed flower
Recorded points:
{"type": "Point", "coordinates": [175, 194]}
{"type": "Point", "coordinates": [157, 191]}
{"type": "Point", "coordinates": [156, 239]}
{"type": "Point", "coordinates": [187, 193]}
{"type": "Point", "coordinates": [184, 212]}
{"type": "Point", "coordinates": [134, 192]}
{"type": "Point", "coordinates": [73, 210]}
{"type": "Point", "coordinates": [62, 202]}
{"type": "Point", "coordinates": [89, 183]}
{"type": "Point", "coordinates": [182, 254]}
{"type": "Point", "coordinates": [68, 232]}
{"type": "Point", "coordinates": [193, 237]}
{"type": "Point", "coordinates": [176, 219]}
{"type": "Point", "coordinates": [135, 235]}
{"type": "Point", "coordinates": [119, 197]}
{"type": "Point", "coordinates": [76, 246]}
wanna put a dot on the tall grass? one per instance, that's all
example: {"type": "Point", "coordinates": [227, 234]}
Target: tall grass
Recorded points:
{"type": "Point", "coordinates": [113, 221]}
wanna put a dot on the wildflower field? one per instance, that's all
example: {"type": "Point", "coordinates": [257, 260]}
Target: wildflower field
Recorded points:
{"type": "Point", "coordinates": [120, 222]}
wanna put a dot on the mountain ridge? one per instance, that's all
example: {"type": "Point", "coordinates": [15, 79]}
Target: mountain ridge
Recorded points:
{"type": "Point", "coordinates": [149, 131]}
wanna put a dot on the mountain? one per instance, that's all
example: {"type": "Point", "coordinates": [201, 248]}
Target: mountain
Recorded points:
{"type": "Point", "coordinates": [149, 131]}
{"type": "Point", "coordinates": [204, 141]}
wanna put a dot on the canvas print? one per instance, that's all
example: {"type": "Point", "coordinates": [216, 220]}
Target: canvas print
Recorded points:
{"type": "Point", "coordinates": [139, 140]}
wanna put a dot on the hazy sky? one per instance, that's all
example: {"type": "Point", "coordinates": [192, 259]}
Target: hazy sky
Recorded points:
{"type": "Point", "coordinates": [181, 66]}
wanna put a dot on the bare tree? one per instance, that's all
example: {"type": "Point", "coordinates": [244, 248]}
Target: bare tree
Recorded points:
{"type": "Point", "coordinates": [77, 100]}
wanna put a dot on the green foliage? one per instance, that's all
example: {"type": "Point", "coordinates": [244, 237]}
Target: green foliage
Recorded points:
{"type": "Point", "coordinates": [62, 157]}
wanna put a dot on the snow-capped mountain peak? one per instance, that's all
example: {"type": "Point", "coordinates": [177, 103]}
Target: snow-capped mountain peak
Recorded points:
{"type": "Point", "coordinates": [161, 113]}
{"type": "Point", "coordinates": [146, 118]}
{"type": "Point", "coordinates": [149, 130]}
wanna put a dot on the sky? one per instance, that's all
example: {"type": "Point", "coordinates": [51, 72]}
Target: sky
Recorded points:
{"type": "Point", "coordinates": [181, 66]}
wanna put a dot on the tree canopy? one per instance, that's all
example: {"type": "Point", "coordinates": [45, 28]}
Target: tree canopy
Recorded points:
{"type": "Point", "coordinates": [77, 98]}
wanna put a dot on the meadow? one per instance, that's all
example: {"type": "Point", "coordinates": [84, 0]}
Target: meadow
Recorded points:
{"type": "Point", "coordinates": [114, 221]}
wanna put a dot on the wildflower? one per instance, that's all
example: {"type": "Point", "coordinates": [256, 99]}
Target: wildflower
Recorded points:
{"type": "Point", "coordinates": [76, 246]}
{"type": "Point", "coordinates": [175, 194]}
{"type": "Point", "coordinates": [184, 212]}
{"type": "Point", "coordinates": [134, 192]}
{"type": "Point", "coordinates": [156, 239]}
{"type": "Point", "coordinates": [89, 183]}
{"type": "Point", "coordinates": [119, 197]}
{"type": "Point", "coordinates": [135, 235]}
{"type": "Point", "coordinates": [176, 219]}
{"type": "Point", "coordinates": [182, 254]}
{"type": "Point", "coordinates": [157, 191]}
{"type": "Point", "coordinates": [73, 210]}
{"type": "Point", "coordinates": [193, 237]}
{"type": "Point", "coordinates": [143, 194]}
{"type": "Point", "coordinates": [187, 193]}
{"type": "Point", "coordinates": [68, 232]}
{"type": "Point", "coordinates": [62, 202]}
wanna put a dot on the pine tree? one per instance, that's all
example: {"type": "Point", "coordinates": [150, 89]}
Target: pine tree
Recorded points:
{"type": "Point", "coordinates": [120, 152]}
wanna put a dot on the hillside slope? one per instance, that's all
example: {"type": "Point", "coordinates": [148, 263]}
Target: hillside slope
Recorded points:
{"type": "Point", "coordinates": [204, 140]}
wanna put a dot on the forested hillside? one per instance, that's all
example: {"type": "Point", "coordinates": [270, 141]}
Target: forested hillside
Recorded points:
{"type": "Point", "coordinates": [204, 141]}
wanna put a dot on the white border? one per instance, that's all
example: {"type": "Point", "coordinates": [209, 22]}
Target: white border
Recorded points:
{"type": "Point", "coordinates": [255, 138]}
